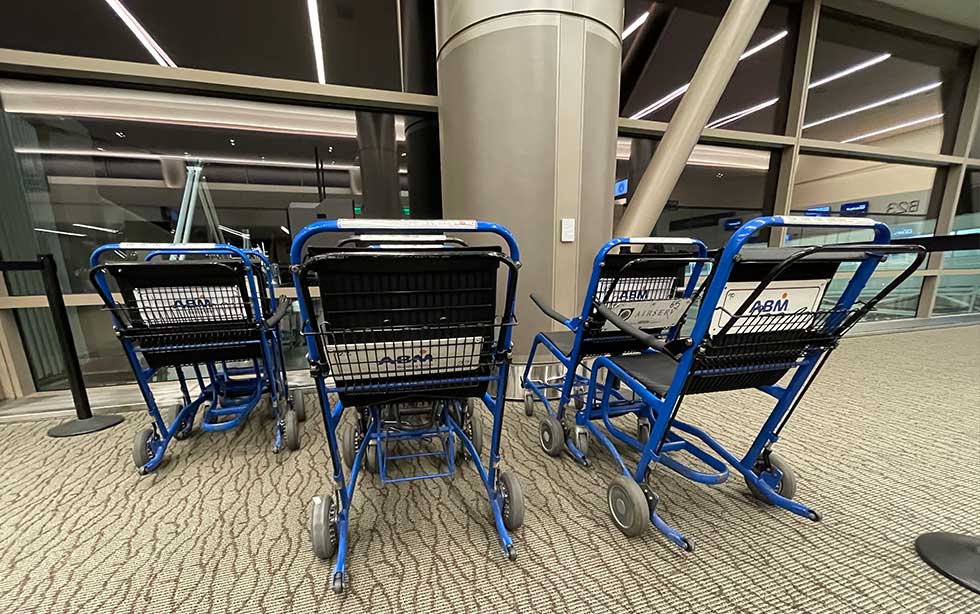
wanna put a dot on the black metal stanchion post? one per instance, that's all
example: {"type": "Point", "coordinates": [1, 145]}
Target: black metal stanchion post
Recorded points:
{"type": "Point", "coordinates": [85, 422]}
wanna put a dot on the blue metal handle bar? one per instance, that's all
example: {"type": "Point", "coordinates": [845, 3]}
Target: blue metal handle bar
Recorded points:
{"type": "Point", "coordinates": [160, 249]}
{"type": "Point", "coordinates": [741, 236]}
{"type": "Point", "coordinates": [613, 243]}
{"type": "Point", "coordinates": [412, 227]}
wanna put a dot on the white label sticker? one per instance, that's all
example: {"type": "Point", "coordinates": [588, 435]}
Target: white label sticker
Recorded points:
{"type": "Point", "coordinates": [369, 224]}
{"type": "Point", "coordinates": [770, 309]}
{"type": "Point", "coordinates": [189, 304]}
{"type": "Point", "coordinates": [805, 220]}
{"type": "Point", "coordinates": [649, 314]}
{"type": "Point", "coordinates": [399, 358]}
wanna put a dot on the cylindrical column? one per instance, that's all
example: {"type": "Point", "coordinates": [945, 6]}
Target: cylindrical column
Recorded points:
{"type": "Point", "coordinates": [528, 101]}
{"type": "Point", "coordinates": [379, 165]}
{"type": "Point", "coordinates": [709, 82]}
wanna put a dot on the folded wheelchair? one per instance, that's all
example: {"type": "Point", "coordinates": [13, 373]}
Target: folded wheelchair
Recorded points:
{"type": "Point", "coordinates": [763, 316]}
{"type": "Point", "coordinates": [647, 287]}
{"type": "Point", "coordinates": [207, 309]}
{"type": "Point", "coordinates": [406, 331]}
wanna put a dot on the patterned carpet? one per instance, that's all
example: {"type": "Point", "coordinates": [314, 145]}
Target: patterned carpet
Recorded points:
{"type": "Point", "coordinates": [886, 445]}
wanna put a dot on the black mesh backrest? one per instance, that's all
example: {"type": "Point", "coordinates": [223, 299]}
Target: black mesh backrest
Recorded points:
{"type": "Point", "coordinates": [783, 323]}
{"type": "Point", "coordinates": [183, 312]}
{"type": "Point", "coordinates": [635, 281]}
{"type": "Point", "coordinates": [425, 320]}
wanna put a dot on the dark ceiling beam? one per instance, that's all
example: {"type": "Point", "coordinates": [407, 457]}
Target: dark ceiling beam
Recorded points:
{"type": "Point", "coordinates": [644, 43]}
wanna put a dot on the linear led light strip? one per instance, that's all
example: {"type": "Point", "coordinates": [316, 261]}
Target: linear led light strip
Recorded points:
{"type": "Point", "coordinates": [311, 8]}
{"type": "Point", "coordinates": [60, 232]}
{"type": "Point", "coordinates": [850, 71]}
{"type": "Point", "coordinates": [633, 27]}
{"type": "Point", "coordinates": [907, 124]}
{"type": "Point", "coordinates": [140, 32]}
{"type": "Point", "coordinates": [100, 228]}
{"type": "Point", "coordinates": [718, 123]}
{"type": "Point", "coordinates": [680, 91]}
{"type": "Point", "coordinates": [875, 104]}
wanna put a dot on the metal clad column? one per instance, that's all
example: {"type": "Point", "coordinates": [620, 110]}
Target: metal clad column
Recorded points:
{"type": "Point", "coordinates": [528, 95]}
{"type": "Point", "coordinates": [709, 82]}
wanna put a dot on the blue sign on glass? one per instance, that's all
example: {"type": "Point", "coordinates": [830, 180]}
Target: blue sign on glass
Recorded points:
{"type": "Point", "coordinates": [621, 187]}
{"type": "Point", "coordinates": [902, 231]}
{"type": "Point", "coordinates": [823, 211]}
{"type": "Point", "coordinates": [733, 223]}
{"type": "Point", "coordinates": [854, 209]}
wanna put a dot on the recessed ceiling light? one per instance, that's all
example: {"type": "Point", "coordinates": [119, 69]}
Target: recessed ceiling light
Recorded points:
{"type": "Point", "coordinates": [404, 153]}
{"type": "Point", "coordinates": [314, 13]}
{"type": "Point", "coordinates": [100, 228]}
{"type": "Point", "coordinates": [850, 71]}
{"type": "Point", "coordinates": [186, 153]}
{"type": "Point", "coordinates": [120, 134]}
{"type": "Point", "coordinates": [680, 91]}
{"type": "Point", "coordinates": [232, 141]}
{"type": "Point", "coordinates": [61, 232]}
{"type": "Point", "coordinates": [144, 37]}
{"type": "Point", "coordinates": [719, 175]}
{"type": "Point", "coordinates": [101, 148]}
{"type": "Point", "coordinates": [330, 149]}
{"type": "Point", "coordinates": [876, 104]}
{"type": "Point", "coordinates": [633, 27]}
{"type": "Point", "coordinates": [284, 229]}
{"type": "Point", "coordinates": [907, 124]}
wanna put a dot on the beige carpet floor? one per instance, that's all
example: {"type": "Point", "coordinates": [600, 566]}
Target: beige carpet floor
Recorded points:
{"type": "Point", "coordinates": [886, 445]}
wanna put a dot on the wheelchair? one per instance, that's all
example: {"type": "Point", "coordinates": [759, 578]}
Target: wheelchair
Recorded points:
{"type": "Point", "coordinates": [209, 309]}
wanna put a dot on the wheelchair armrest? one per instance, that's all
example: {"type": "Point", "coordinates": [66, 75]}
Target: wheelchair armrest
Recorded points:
{"type": "Point", "coordinates": [671, 348]}
{"type": "Point", "coordinates": [284, 304]}
{"type": "Point", "coordinates": [548, 311]}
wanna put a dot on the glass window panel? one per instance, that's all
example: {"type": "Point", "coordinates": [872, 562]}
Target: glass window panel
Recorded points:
{"type": "Point", "coordinates": [271, 39]}
{"type": "Point", "coordinates": [957, 294]}
{"type": "Point", "coordinates": [966, 221]}
{"type": "Point", "coordinates": [900, 303]}
{"type": "Point", "coordinates": [720, 188]}
{"type": "Point", "coordinates": [755, 98]}
{"type": "Point", "coordinates": [877, 85]}
{"type": "Point", "coordinates": [899, 195]}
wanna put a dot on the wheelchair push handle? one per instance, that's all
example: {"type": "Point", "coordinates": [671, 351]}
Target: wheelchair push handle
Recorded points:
{"type": "Point", "coordinates": [672, 348]}
{"type": "Point", "coordinates": [361, 226]}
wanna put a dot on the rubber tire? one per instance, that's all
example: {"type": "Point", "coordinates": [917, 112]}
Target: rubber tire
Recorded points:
{"type": "Point", "coordinates": [141, 447]}
{"type": "Point", "coordinates": [347, 451]}
{"type": "Point", "coordinates": [476, 424]}
{"type": "Point", "coordinates": [513, 507]}
{"type": "Point", "coordinates": [322, 533]}
{"type": "Point", "coordinates": [786, 486]}
{"type": "Point", "coordinates": [169, 418]}
{"type": "Point", "coordinates": [582, 440]}
{"type": "Point", "coordinates": [551, 435]}
{"type": "Point", "coordinates": [291, 430]}
{"type": "Point", "coordinates": [628, 506]}
{"type": "Point", "coordinates": [371, 457]}
{"type": "Point", "coordinates": [643, 428]}
{"type": "Point", "coordinates": [299, 405]}
{"type": "Point", "coordinates": [528, 403]}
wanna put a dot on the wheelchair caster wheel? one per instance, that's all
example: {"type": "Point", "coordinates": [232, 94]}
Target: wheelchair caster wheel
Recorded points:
{"type": "Point", "coordinates": [338, 584]}
{"type": "Point", "coordinates": [628, 506]}
{"type": "Point", "coordinates": [371, 457]}
{"type": "Point", "coordinates": [786, 487]}
{"type": "Point", "coordinates": [511, 552]}
{"type": "Point", "coordinates": [348, 446]}
{"type": "Point", "coordinates": [323, 527]}
{"type": "Point", "coordinates": [551, 435]}
{"type": "Point", "coordinates": [142, 451]}
{"type": "Point", "coordinates": [512, 493]}
{"type": "Point", "coordinates": [299, 405]}
{"type": "Point", "coordinates": [688, 545]}
{"type": "Point", "coordinates": [815, 516]}
{"type": "Point", "coordinates": [528, 403]}
{"type": "Point", "coordinates": [581, 440]}
{"type": "Point", "coordinates": [643, 429]}
{"type": "Point", "coordinates": [291, 430]}
{"type": "Point", "coordinates": [184, 431]}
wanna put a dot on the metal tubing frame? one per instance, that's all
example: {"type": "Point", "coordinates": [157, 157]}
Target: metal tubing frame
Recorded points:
{"type": "Point", "coordinates": [344, 487]}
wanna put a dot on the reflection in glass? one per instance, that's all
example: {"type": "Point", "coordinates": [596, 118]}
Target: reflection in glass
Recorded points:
{"type": "Point", "coordinates": [886, 88]}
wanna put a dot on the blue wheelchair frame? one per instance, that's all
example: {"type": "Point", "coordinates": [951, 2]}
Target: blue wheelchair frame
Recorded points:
{"type": "Point", "coordinates": [344, 487]}
{"type": "Point", "coordinates": [577, 374]}
{"type": "Point", "coordinates": [219, 381]}
{"type": "Point", "coordinates": [667, 434]}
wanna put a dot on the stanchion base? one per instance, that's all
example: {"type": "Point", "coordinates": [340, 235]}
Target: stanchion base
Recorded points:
{"type": "Point", "coordinates": [84, 427]}
{"type": "Point", "coordinates": [955, 556]}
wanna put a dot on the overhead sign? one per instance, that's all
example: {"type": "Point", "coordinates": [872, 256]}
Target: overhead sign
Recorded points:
{"type": "Point", "coordinates": [621, 187]}
{"type": "Point", "coordinates": [823, 211]}
{"type": "Point", "coordinates": [733, 224]}
{"type": "Point", "coordinates": [856, 209]}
